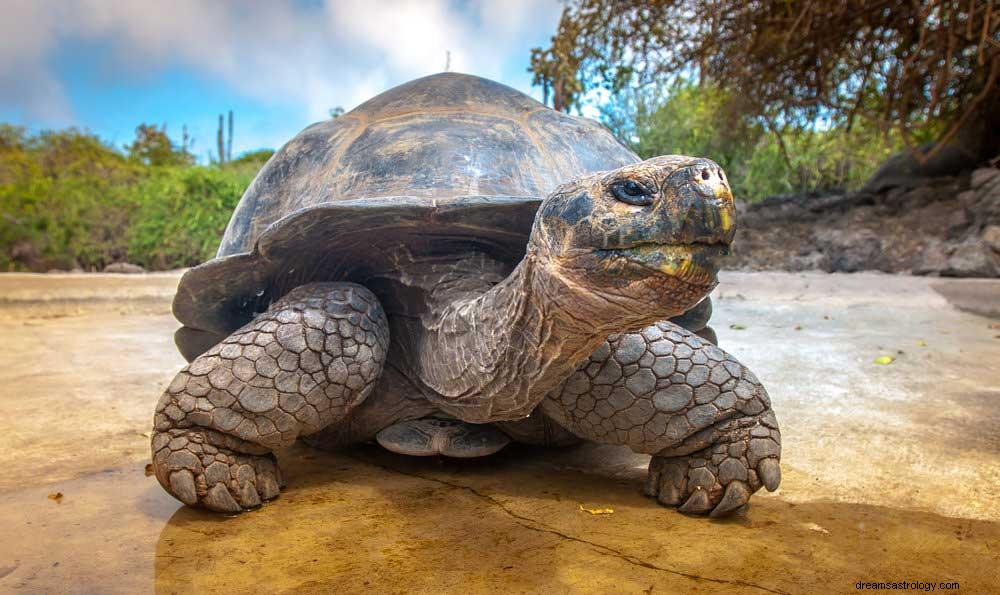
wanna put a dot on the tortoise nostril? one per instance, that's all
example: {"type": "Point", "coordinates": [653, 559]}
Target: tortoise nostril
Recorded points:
{"type": "Point", "coordinates": [705, 174]}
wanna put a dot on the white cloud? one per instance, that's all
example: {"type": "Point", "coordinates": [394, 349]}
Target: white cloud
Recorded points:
{"type": "Point", "coordinates": [410, 36]}
{"type": "Point", "coordinates": [339, 53]}
{"type": "Point", "coordinates": [27, 35]}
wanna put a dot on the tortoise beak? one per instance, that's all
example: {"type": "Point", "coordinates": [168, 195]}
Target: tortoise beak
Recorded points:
{"type": "Point", "coordinates": [699, 198]}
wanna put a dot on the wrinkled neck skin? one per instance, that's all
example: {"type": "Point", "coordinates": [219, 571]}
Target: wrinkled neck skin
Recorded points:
{"type": "Point", "coordinates": [494, 355]}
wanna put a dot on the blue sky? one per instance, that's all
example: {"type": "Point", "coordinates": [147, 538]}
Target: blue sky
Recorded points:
{"type": "Point", "coordinates": [107, 66]}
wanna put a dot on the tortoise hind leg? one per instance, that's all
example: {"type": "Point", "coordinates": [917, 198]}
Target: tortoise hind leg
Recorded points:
{"type": "Point", "coordinates": [432, 436]}
{"type": "Point", "coordinates": [539, 429]}
{"type": "Point", "coordinates": [393, 400]}
{"type": "Point", "coordinates": [402, 420]}
{"type": "Point", "coordinates": [302, 365]}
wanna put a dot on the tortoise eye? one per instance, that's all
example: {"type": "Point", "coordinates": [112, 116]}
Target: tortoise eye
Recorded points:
{"type": "Point", "coordinates": [632, 192]}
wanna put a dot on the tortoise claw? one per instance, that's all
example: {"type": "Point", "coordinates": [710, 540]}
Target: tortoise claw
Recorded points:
{"type": "Point", "coordinates": [219, 499]}
{"type": "Point", "coordinates": [769, 471]}
{"type": "Point", "coordinates": [231, 482]}
{"type": "Point", "coordinates": [670, 495]}
{"type": "Point", "coordinates": [182, 486]}
{"type": "Point", "coordinates": [736, 496]}
{"type": "Point", "coordinates": [697, 503]}
{"type": "Point", "coordinates": [267, 487]}
{"type": "Point", "coordinates": [248, 496]}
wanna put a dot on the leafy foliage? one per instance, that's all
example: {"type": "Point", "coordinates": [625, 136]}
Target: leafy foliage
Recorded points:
{"type": "Point", "coordinates": [152, 146]}
{"type": "Point", "coordinates": [181, 215]}
{"type": "Point", "coordinates": [916, 67]}
{"type": "Point", "coordinates": [252, 159]}
{"type": "Point", "coordinates": [69, 200]}
{"type": "Point", "coordinates": [556, 67]}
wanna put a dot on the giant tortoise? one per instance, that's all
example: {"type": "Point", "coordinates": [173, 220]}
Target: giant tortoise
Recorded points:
{"type": "Point", "coordinates": [452, 266]}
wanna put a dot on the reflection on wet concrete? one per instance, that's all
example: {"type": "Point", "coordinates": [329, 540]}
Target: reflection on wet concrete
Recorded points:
{"type": "Point", "coordinates": [890, 474]}
{"type": "Point", "coordinates": [367, 520]}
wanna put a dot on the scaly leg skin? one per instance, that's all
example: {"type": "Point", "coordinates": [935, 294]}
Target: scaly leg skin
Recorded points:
{"type": "Point", "coordinates": [703, 416]}
{"type": "Point", "coordinates": [297, 368]}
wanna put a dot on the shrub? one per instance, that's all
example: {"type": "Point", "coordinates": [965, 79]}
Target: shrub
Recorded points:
{"type": "Point", "coordinates": [63, 199]}
{"type": "Point", "coordinates": [69, 200]}
{"type": "Point", "coordinates": [182, 213]}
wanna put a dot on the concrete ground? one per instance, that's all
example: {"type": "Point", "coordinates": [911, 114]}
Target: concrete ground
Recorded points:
{"type": "Point", "coordinates": [891, 472]}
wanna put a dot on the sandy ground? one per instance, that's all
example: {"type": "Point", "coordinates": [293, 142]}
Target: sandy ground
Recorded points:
{"type": "Point", "coordinates": [891, 473]}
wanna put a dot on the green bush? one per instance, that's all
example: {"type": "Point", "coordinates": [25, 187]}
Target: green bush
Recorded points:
{"type": "Point", "coordinates": [822, 160]}
{"type": "Point", "coordinates": [63, 199]}
{"type": "Point", "coordinates": [68, 200]}
{"type": "Point", "coordinates": [181, 215]}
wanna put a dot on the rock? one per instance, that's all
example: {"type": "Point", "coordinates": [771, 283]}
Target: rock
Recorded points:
{"type": "Point", "coordinates": [930, 225]}
{"type": "Point", "coordinates": [982, 200]}
{"type": "Point", "coordinates": [932, 260]}
{"type": "Point", "coordinates": [958, 224]}
{"type": "Point", "coordinates": [902, 170]}
{"type": "Point", "coordinates": [991, 235]}
{"type": "Point", "coordinates": [812, 261]}
{"type": "Point", "coordinates": [25, 254]}
{"type": "Point", "coordinates": [973, 258]}
{"type": "Point", "coordinates": [124, 268]}
{"type": "Point", "coordinates": [850, 250]}
{"type": "Point", "coordinates": [986, 176]}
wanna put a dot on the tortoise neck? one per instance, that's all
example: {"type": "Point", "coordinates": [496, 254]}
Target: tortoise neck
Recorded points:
{"type": "Point", "coordinates": [495, 355]}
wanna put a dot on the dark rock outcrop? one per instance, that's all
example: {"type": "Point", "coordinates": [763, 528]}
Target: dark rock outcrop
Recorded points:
{"type": "Point", "coordinates": [948, 226]}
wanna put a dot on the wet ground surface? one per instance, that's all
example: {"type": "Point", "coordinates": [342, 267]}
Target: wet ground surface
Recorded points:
{"type": "Point", "coordinates": [891, 472]}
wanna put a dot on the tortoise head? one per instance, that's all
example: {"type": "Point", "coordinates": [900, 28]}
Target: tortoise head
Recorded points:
{"type": "Point", "coordinates": [650, 234]}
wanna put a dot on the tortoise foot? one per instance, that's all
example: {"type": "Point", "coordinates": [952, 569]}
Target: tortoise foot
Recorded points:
{"type": "Point", "coordinates": [720, 479]}
{"type": "Point", "coordinates": [447, 437]}
{"type": "Point", "coordinates": [202, 474]}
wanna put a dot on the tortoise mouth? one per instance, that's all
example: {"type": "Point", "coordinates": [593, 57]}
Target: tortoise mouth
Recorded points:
{"type": "Point", "coordinates": [697, 262]}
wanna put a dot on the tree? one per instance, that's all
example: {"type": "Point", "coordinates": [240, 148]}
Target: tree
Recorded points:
{"type": "Point", "coordinates": [152, 146]}
{"type": "Point", "coordinates": [930, 69]}
{"type": "Point", "coordinates": [557, 68]}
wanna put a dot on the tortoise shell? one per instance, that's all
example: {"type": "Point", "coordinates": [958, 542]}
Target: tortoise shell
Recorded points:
{"type": "Point", "coordinates": [436, 166]}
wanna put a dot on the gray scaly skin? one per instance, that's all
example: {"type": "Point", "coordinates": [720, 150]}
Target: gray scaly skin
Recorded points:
{"type": "Point", "coordinates": [609, 255]}
{"type": "Point", "coordinates": [297, 368]}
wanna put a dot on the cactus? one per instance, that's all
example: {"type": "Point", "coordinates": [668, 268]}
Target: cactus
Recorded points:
{"type": "Point", "coordinates": [224, 145]}
{"type": "Point", "coordinates": [219, 142]}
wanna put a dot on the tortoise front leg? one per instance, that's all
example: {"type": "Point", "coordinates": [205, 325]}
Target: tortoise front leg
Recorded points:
{"type": "Point", "coordinates": [297, 368]}
{"type": "Point", "coordinates": [703, 416]}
